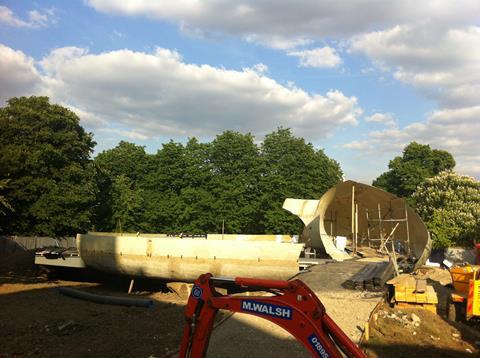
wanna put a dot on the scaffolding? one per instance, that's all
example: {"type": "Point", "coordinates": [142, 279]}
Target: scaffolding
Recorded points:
{"type": "Point", "coordinates": [380, 223]}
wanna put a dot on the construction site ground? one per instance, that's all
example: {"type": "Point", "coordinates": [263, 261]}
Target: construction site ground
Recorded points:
{"type": "Point", "coordinates": [348, 308]}
{"type": "Point", "coordinates": [36, 320]}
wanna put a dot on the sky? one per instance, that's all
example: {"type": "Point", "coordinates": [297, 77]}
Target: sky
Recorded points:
{"type": "Point", "coordinates": [360, 79]}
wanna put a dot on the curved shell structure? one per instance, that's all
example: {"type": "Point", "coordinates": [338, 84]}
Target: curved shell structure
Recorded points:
{"type": "Point", "coordinates": [364, 213]}
{"type": "Point", "coordinates": [184, 259]}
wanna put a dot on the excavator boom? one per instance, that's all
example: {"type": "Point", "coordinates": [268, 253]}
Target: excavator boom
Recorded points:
{"type": "Point", "coordinates": [293, 307]}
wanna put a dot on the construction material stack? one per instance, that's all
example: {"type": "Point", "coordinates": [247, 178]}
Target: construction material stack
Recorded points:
{"type": "Point", "coordinates": [415, 293]}
{"type": "Point", "coordinates": [371, 278]}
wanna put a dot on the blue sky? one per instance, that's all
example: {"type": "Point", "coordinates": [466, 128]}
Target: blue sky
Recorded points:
{"type": "Point", "coordinates": [360, 79]}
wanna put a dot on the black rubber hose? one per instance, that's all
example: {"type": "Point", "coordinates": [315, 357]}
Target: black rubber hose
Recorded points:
{"type": "Point", "coordinates": [110, 300]}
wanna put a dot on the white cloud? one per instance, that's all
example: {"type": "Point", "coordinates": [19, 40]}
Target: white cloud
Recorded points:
{"type": "Point", "coordinates": [130, 134]}
{"type": "Point", "coordinates": [454, 130]}
{"type": "Point", "coordinates": [431, 45]}
{"type": "Point", "coordinates": [17, 73]}
{"type": "Point", "coordinates": [443, 63]}
{"type": "Point", "coordinates": [292, 20]}
{"type": "Point", "coordinates": [36, 19]}
{"type": "Point", "coordinates": [88, 119]}
{"type": "Point", "coordinates": [158, 94]}
{"type": "Point", "coordinates": [318, 57]}
{"type": "Point", "coordinates": [260, 68]}
{"type": "Point", "coordinates": [358, 145]}
{"type": "Point", "coordinates": [384, 118]}
{"type": "Point", "coordinates": [278, 42]}
{"type": "Point", "coordinates": [60, 57]}
{"type": "Point", "coordinates": [118, 34]}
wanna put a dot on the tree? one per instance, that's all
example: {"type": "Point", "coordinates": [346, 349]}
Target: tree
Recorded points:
{"type": "Point", "coordinates": [126, 205]}
{"type": "Point", "coordinates": [45, 155]}
{"type": "Point", "coordinates": [235, 167]}
{"type": "Point", "coordinates": [291, 168]}
{"type": "Point", "coordinates": [196, 213]}
{"type": "Point", "coordinates": [4, 204]}
{"type": "Point", "coordinates": [450, 206]}
{"type": "Point", "coordinates": [177, 195]}
{"type": "Point", "coordinates": [418, 163]}
{"type": "Point", "coordinates": [126, 159]}
{"type": "Point", "coordinates": [120, 173]}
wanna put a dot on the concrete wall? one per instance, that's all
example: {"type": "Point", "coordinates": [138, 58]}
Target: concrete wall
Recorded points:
{"type": "Point", "coordinates": [460, 254]}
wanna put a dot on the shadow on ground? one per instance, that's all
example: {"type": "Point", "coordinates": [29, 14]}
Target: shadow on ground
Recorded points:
{"type": "Point", "coordinates": [409, 351]}
{"type": "Point", "coordinates": [43, 322]}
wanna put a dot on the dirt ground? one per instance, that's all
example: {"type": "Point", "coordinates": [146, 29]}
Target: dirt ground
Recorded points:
{"type": "Point", "coordinates": [394, 333]}
{"type": "Point", "coordinates": [36, 320]}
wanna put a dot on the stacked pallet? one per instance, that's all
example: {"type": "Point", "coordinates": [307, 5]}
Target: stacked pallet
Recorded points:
{"type": "Point", "coordinates": [371, 278]}
{"type": "Point", "coordinates": [410, 292]}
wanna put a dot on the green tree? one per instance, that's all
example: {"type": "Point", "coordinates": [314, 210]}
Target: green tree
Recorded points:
{"type": "Point", "coordinates": [291, 168]}
{"type": "Point", "coordinates": [126, 159]}
{"type": "Point", "coordinates": [45, 154]}
{"type": "Point", "coordinates": [126, 205]}
{"type": "Point", "coordinates": [417, 163]}
{"type": "Point", "coordinates": [177, 189]}
{"type": "Point", "coordinates": [4, 204]}
{"type": "Point", "coordinates": [450, 206]}
{"type": "Point", "coordinates": [196, 213]}
{"type": "Point", "coordinates": [120, 174]}
{"type": "Point", "coordinates": [235, 166]}
{"type": "Point", "coordinates": [162, 187]}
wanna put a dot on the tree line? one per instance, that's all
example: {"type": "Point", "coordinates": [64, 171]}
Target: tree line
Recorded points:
{"type": "Point", "coordinates": [50, 184]}
{"type": "Point", "coordinates": [55, 188]}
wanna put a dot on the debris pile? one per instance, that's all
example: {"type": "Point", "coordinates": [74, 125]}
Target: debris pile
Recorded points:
{"type": "Point", "coordinates": [413, 332]}
{"type": "Point", "coordinates": [410, 321]}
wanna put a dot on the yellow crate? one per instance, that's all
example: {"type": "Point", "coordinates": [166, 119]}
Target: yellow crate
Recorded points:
{"type": "Point", "coordinates": [461, 275]}
{"type": "Point", "coordinates": [476, 298]}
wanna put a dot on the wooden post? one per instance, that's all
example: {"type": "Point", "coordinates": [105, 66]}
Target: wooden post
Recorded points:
{"type": "Point", "coordinates": [368, 227]}
{"type": "Point", "coordinates": [366, 333]}
{"type": "Point", "coordinates": [356, 226]}
{"type": "Point", "coordinates": [407, 228]}
{"type": "Point", "coordinates": [380, 228]}
{"type": "Point", "coordinates": [132, 281]}
{"type": "Point", "coordinates": [223, 228]}
{"type": "Point", "coordinates": [354, 247]}
{"type": "Point", "coordinates": [394, 259]}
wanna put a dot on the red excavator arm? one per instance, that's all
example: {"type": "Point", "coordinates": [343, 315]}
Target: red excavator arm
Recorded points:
{"type": "Point", "coordinates": [293, 306]}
